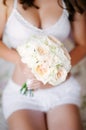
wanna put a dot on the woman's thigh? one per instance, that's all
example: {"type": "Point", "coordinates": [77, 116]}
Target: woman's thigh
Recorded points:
{"type": "Point", "coordinates": [64, 117]}
{"type": "Point", "coordinates": [27, 120]}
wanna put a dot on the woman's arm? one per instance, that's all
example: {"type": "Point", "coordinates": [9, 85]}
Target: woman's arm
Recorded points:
{"type": "Point", "coordinates": [21, 71]}
{"type": "Point", "coordinates": [8, 54]}
{"type": "Point", "coordinates": [79, 36]}
{"type": "Point", "coordinates": [5, 52]}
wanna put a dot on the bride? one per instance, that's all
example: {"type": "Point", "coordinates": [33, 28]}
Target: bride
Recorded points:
{"type": "Point", "coordinates": [53, 108]}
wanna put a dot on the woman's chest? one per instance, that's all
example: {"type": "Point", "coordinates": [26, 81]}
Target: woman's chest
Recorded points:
{"type": "Point", "coordinates": [47, 14]}
{"type": "Point", "coordinates": [18, 28]}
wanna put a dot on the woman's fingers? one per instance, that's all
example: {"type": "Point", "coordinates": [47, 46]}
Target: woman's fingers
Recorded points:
{"type": "Point", "coordinates": [38, 85]}
{"type": "Point", "coordinates": [34, 84]}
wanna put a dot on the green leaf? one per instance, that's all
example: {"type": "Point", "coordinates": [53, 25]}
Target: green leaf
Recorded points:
{"type": "Point", "coordinates": [24, 89]}
{"type": "Point", "coordinates": [58, 65]}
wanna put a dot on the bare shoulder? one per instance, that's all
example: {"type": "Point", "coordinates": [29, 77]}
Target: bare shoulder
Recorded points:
{"type": "Point", "coordinates": [2, 6]}
{"type": "Point", "coordinates": [4, 11]}
{"type": "Point", "coordinates": [79, 28]}
{"type": "Point", "coordinates": [9, 3]}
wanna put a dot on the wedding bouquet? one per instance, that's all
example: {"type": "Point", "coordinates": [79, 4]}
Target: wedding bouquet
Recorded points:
{"type": "Point", "coordinates": [47, 57]}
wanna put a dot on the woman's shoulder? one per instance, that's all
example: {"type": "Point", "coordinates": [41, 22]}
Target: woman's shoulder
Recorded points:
{"type": "Point", "coordinates": [3, 10]}
{"type": "Point", "coordinates": [2, 6]}
{"type": "Point", "coordinates": [6, 7]}
{"type": "Point", "coordinates": [6, 4]}
{"type": "Point", "coordinates": [3, 13]}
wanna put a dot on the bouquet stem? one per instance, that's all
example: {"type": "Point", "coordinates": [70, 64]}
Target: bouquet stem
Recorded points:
{"type": "Point", "coordinates": [24, 90]}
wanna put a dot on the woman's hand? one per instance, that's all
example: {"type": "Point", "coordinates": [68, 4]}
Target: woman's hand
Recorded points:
{"type": "Point", "coordinates": [23, 73]}
{"type": "Point", "coordinates": [33, 83]}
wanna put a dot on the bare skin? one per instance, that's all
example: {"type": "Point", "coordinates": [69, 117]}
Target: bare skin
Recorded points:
{"type": "Point", "coordinates": [64, 117]}
{"type": "Point", "coordinates": [27, 120]}
{"type": "Point", "coordinates": [68, 118]}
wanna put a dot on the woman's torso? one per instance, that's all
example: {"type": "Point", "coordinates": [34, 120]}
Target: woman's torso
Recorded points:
{"type": "Point", "coordinates": [20, 27]}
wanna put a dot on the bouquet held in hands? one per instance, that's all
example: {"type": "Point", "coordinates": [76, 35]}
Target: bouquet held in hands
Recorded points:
{"type": "Point", "coordinates": [48, 59]}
